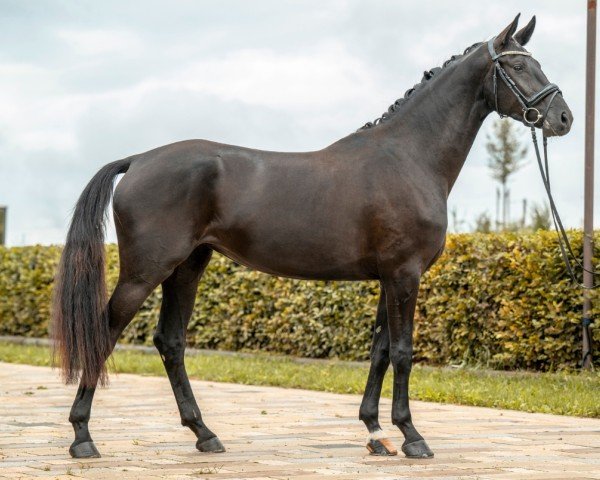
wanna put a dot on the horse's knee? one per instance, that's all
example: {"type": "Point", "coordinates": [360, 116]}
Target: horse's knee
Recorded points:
{"type": "Point", "coordinates": [158, 340]}
{"type": "Point", "coordinates": [380, 359]}
{"type": "Point", "coordinates": [401, 359]}
{"type": "Point", "coordinates": [168, 347]}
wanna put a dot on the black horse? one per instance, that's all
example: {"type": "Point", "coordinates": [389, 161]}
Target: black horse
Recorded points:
{"type": "Point", "coordinates": [373, 205]}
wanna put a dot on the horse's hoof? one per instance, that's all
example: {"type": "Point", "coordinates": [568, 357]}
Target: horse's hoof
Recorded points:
{"type": "Point", "coordinates": [84, 450]}
{"type": "Point", "coordinates": [418, 449]}
{"type": "Point", "coordinates": [381, 447]}
{"type": "Point", "coordinates": [213, 445]}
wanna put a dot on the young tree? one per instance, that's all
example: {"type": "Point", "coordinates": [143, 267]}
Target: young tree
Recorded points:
{"type": "Point", "coordinates": [506, 157]}
{"type": "Point", "coordinates": [457, 223]}
{"type": "Point", "coordinates": [483, 223]}
{"type": "Point", "coordinates": [540, 217]}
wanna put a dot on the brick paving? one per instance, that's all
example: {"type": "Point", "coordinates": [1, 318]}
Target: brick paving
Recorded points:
{"type": "Point", "coordinates": [273, 433]}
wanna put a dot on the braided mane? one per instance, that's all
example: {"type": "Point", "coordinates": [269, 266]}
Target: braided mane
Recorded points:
{"type": "Point", "coordinates": [427, 75]}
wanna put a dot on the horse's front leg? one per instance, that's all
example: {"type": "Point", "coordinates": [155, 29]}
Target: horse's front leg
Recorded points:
{"type": "Point", "coordinates": [401, 299]}
{"type": "Point", "coordinates": [377, 442]}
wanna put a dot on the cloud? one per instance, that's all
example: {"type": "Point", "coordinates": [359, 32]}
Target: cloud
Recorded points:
{"type": "Point", "coordinates": [320, 79]}
{"type": "Point", "coordinates": [101, 42]}
{"type": "Point", "coordinates": [85, 83]}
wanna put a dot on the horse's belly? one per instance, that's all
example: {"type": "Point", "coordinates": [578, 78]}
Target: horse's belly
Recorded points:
{"type": "Point", "coordinates": [297, 256]}
{"type": "Point", "coordinates": [303, 271]}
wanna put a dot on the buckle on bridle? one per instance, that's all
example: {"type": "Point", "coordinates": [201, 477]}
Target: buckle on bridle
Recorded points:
{"type": "Point", "coordinates": [526, 111]}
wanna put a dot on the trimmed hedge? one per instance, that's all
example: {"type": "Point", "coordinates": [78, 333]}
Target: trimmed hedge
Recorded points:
{"type": "Point", "coordinates": [502, 300]}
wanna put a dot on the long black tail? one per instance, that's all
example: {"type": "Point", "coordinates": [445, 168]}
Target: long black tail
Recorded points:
{"type": "Point", "coordinates": [80, 323]}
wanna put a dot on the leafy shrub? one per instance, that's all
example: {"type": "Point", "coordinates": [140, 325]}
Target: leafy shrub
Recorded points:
{"type": "Point", "coordinates": [503, 300]}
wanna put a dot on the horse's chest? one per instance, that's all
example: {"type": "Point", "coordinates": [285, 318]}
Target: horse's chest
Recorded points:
{"type": "Point", "coordinates": [412, 236]}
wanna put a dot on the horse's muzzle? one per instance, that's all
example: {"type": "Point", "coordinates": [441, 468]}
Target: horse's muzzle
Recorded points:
{"type": "Point", "coordinates": [558, 121]}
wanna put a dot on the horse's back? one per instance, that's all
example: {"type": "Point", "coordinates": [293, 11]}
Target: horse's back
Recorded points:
{"type": "Point", "coordinates": [252, 205]}
{"type": "Point", "coordinates": [307, 214]}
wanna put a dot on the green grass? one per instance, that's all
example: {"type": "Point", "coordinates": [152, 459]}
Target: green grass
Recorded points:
{"type": "Point", "coordinates": [558, 393]}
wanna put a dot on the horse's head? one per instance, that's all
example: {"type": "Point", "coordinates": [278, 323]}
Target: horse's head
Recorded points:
{"type": "Point", "coordinates": [518, 88]}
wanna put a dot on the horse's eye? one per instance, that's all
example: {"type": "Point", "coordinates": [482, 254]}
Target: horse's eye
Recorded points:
{"type": "Point", "coordinates": [518, 67]}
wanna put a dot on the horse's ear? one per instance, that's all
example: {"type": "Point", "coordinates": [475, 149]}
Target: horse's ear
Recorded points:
{"type": "Point", "coordinates": [523, 35]}
{"type": "Point", "coordinates": [506, 34]}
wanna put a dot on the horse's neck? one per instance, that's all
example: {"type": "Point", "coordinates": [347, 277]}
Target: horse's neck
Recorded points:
{"type": "Point", "coordinates": [442, 121]}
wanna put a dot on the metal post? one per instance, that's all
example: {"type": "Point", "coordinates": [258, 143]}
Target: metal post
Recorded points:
{"type": "Point", "coordinates": [2, 225]}
{"type": "Point", "coordinates": [588, 220]}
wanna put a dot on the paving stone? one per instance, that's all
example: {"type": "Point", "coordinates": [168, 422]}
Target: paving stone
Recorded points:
{"type": "Point", "coordinates": [303, 435]}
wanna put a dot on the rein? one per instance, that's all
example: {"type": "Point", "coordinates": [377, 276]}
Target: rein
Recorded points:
{"type": "Point", "coordinates": [528, 105]}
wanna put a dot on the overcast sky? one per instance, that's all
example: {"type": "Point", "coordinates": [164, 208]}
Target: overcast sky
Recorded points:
{"type": "Point", "coordinates": [83, 83]}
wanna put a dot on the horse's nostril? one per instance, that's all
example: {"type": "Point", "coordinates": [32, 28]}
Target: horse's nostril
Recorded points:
{"type": "Point", "coordinates": [564, 118]}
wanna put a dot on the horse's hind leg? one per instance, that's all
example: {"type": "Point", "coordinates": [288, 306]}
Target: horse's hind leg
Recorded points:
{"type": "Point", "coordinates": [377, 443]}
{"type": "Point", "coordinates": [179, 292]}
{"type": "Point", "coordinates": [127, 298]}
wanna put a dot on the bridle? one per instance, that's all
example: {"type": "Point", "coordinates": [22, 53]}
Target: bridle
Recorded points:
{"type": "Point", "coordinates": [528, 103]}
